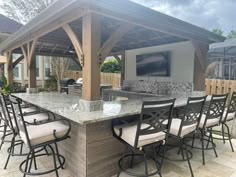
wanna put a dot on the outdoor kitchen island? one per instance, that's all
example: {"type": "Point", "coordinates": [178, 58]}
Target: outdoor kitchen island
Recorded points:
{"type": "Point", "coordinates": [92, 150]}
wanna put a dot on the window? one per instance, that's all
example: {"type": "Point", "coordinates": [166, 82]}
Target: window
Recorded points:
{"type": "Point", "coordinates": [16, 71]}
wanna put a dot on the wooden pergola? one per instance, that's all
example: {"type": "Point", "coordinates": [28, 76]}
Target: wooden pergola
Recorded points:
{"type": "Point", "coordinates": [95, 29]}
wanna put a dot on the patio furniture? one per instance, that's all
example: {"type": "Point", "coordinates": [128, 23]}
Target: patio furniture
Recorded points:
{"type": "Point", "coordinates": [10, 121]}
{"type": "Point", "coordinates": [151, 129]}
{"type": "Point", "coordinates": [228, 116]}
{"type": "Point", "coordinates": [211, 117]}
{"type": "Point", "coordinates": [64, 83]}
{"type": "Point", "coordinates": [34, 138]}
{"type": "Point", "coordinates": [185, 124]}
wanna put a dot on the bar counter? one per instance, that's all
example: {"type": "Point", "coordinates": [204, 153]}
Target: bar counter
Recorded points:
{"type": "Point", "coordinates": [92, 151]}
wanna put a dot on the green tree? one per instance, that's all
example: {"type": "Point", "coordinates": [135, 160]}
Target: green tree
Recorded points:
{"type": "Point", "coordinates": [24, 10]}
{"type": "Point", "coordinates": [232, 34]}
{"type": "Point", "coordinates": [218, 31]}
{"type": "Point", "coordinates": [111, 66]}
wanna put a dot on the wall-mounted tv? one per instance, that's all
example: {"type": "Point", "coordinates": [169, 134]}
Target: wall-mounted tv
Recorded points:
{"type": "Point", "coordinates": [153, 64]}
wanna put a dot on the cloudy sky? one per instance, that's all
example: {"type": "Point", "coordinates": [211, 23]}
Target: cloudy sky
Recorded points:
{"type": "Point", "coordinates": [208, 14]}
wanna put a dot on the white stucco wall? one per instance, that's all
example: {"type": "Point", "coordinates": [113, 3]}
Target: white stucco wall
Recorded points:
{"type": "Point", "coordinates": [181, 62]}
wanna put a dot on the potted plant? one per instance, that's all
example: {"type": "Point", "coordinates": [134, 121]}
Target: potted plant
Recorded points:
{"type": "Point", "coordinates": [5, 87]}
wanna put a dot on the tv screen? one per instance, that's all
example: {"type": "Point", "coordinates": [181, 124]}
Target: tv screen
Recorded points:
{"type": "Point", "coordinates": [153, 64]}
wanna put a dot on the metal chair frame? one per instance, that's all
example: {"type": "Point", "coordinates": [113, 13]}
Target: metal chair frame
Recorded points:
{"type": "Point", "coordinates": [189, 115]}
{"type": "Point", "coordinates": [214, 109]}
{"type": "Point", "coordinates": [157, 114]}
{"type": "Point", "coordinates": [26, 165]}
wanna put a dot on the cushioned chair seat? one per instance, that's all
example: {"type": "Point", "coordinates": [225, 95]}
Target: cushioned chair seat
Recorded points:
{"type": "Point", "coordinates": [28, 110]}
{"type": "Point", "coordinates": [209, 123]}
{"type": "Point", "coordinates": [230, 116]}
{"type": "Point", "coordinates": [33, 118]}
{"type": "Point", "coordinates": [175, 125]}
{"type": "Point", "coordinates": [43, 133]}
{"type": "Point", "coordinates": [129, 134]}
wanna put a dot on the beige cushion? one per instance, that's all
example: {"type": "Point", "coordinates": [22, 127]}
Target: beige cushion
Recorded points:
{"type": "Point", "coordinates": [230, 116]}
{"type": "Point", "coordinates": [30, 118]}
{"type": "Point", "coordinates": [129, 134]}
{"type": "Point", "coordinates": [43, 133]}
{"type": "Point", "coordinates": [175, 125]}
{"type": "Point", "coordinates": [209, 123]}
{"type": "Point", "coordinates": [28, 109]}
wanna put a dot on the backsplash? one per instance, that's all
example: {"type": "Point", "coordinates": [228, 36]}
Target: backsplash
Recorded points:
{"type": "Point", "coordinates": [158, 87]}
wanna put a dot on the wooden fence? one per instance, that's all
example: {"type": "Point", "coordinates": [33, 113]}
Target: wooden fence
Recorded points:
{"type": "Point", "coordinates": [215, 86]}
{"type": "Point", "coordinates": [106, 78]}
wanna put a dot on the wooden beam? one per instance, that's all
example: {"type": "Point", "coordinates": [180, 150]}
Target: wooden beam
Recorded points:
{"type": "Point", "coordinates": [200, 58]}
{"type": "Point", "coordinates": [112, 40]}
{"type": "Point", "coordinates": [91, 34]}
{"type": "Point", "coordinates": [9, 68]}
{"type": "Point", "coordinates": [56, 23]}
{"type": "Point", "coordinates": [18, 60]}
{"type": "Point", "coordinates": [122, 69]}
{"type": "Point", "coordinates": [28, 51]}
{"type": "Point", "coordinates": [118, 59]}
{"type": "Point", "coordinates": [76, 43]}
{"type": "Point", "coordinates": [201, 50]}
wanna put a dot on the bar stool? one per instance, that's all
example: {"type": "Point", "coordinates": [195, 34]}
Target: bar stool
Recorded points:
{"type": "Point", "coordinates": [186, 123]}
{"type": "Point", "coordinates": [228, 116]}
{"type": "Point", "coordinates": [7, 112]}
{"type": "Point", "coordinates": [152, 128]}
{"type": "Point", "coordinates": [211, 117]}
{"type": "Point", "coordinates": [34, 138]}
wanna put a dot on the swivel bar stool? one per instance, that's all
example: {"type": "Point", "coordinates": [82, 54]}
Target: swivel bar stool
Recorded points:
{"type": "Point", "coordinates": [150, 129]}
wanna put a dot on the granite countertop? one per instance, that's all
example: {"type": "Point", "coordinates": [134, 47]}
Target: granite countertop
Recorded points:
{"type": "Point", "coordinates": [67, 106]}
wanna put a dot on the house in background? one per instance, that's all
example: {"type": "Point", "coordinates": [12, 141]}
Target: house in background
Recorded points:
{"type": "Point", "coordinates": [222, 60]}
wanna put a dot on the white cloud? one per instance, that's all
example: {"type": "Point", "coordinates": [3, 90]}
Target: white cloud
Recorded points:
{"type": "Point", "coordinates": [207, 14]}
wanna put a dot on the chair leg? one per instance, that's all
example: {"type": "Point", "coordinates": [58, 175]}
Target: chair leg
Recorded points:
{"type": "Point", "coordinates": [213, 145]}
{"type": "Point", "coordinates": [203, 154]}
{"type": "Point", "coordinates": [132, 160]}
{"type": "Point", "coordinates": [223, 133]}
{"type": "Point", "coordinates": [145, 162]}
{"type": "Point", "coordinates": [10, 151]}
{"type": "Point", "coordinates": [26, 163]}
{"type": "Point", "coordinates": [3, 136]}
{"type": "Point", "coordinates": [58, 157]}
{"type": "Point", "coordinates": [54, 160]}
{"type": "Point", "coordinates": [122, 159]}
{"type": "Point", "coordinates": [227, 127]}
{"type": "Point", "coordinates": [189, 164]}
{"type": "Point", "coordinates": [193, 140]}
{"type": "Point", "coordinates": [162, 159]}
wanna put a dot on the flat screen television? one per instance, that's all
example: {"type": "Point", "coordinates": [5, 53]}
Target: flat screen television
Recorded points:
{"type": "Point", "coordinates": [153, 64]}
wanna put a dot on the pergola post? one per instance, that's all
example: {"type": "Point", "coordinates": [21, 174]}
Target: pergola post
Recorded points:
{"type": "Point", "coordinates": [9, 68]}
{"type": "Point", "coordinates": [28, 52]}
{"type": "Point", "coordinates": [91, 35]}
{"type": "Point", "coordinates": [200, 58]}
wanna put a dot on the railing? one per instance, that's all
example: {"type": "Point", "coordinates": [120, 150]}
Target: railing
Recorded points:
{"type": "Point", "coordinates": [106, 78]}
{"type": "Point", "coordinates": [215, 86]}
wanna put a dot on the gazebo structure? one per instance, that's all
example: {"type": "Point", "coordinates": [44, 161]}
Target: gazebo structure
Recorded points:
{"type": "Point", "coordinates": [91, 30]}
{"type": "Point", "coordinates": [96, 29]}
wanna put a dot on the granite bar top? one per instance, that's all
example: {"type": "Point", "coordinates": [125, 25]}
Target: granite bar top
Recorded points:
{"type": "Point", "coordinates": [67, 106]}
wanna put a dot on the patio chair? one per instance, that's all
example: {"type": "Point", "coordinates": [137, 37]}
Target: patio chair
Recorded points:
{"type": "Point", "coordinates": [34, 138]}
{"type": "Point", "coordinates": [151, 130]}
{"type": "Point", "coordinates": [185, 124]}
{"type": "Point", "coordinates": [10, 122]}
{"type": "Point", "coordinates": [211, 117]}
{"type": "Point", "coordinates": [228, 116]}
